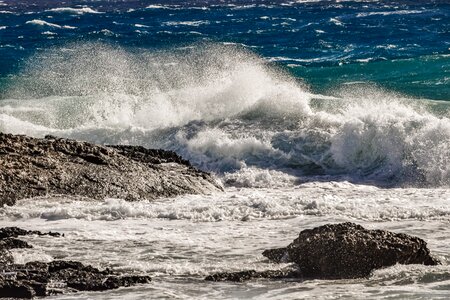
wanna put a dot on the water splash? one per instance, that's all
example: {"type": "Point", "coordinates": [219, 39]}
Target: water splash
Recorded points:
{"type": "Point", "coordinates": [227, 110]}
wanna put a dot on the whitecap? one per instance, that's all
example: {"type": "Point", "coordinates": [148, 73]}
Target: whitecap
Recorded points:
{"type": "Point", "coordinates": [45, 23]}
{"type": "Point", "coordinates": [388, 13]}
{"type": "Point", "coordinates": [78, 11]}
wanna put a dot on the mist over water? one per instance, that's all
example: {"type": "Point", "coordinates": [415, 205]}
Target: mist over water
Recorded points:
{"type": "Point", "coordinates": [231, 112]}
{"type": "Point", "coordinates": [309, 112]}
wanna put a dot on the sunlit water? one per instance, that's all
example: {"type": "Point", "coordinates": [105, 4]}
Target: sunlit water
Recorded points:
{"type": "Point", "coordinates": [308, 112]}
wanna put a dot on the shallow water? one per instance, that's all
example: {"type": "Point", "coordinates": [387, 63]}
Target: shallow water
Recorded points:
{"type": "Point", "coordinates": [180, 241]}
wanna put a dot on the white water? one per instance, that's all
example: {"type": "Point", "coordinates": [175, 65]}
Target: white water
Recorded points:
{"type": "Point", "coordinates": [289, 159]}
{"type": "Point", "coordinates": [227, 110]}
{"type": "Point", "coordinates": [180, 241]}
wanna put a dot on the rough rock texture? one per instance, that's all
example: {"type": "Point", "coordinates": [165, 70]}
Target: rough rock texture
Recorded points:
{"type": "Point", "coordinates": [339, 251]}
{"type": "Point", "coordinates": [348, 250]}
{"type": "Point", "coordinates": [43, 279]}
{"type": "Point", "coordinates": [252, 274]}
{"type": "Point", "coordinates": [31, 167]}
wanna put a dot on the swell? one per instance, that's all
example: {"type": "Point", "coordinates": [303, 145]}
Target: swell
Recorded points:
{"type": "Point", "coordinates": [228, 111]}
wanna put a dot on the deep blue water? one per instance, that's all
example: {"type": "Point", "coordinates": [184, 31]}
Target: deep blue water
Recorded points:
{"type": "Point", "coordinates": [307, 88]}
{"type": "Point", "coordinates": [403, 46]}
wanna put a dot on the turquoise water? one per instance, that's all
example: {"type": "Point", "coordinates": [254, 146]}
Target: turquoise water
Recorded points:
{"type": "Point", "coordinates": [354, 90]}
{"type": "Point", "coordinates": [399, 45]}
{"type": "Point", "coordinates": [308, 112]}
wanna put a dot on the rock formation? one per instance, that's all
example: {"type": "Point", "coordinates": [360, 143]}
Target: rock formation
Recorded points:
{"type": "Point", "coordinates": [43, 279]}
{"type": "Point", "coordinates": [31, 167]}
{"type": "Point", "coordinates": [339, 251]}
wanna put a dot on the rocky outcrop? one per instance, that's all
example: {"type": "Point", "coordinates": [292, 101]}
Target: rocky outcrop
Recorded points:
{"type": "Point", "coordinates": [348, 250]}
{"type": "Point", "coordinates": [31, 167]}
{"type": "Point", "coordinates": [43, 279]}
{"type": "Point", "coordinates": [340, 251]}
{"type": "Point", "coordinates": [252, 274]}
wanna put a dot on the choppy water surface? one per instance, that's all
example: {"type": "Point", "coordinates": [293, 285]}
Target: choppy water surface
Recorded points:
{"type": "Point", "coordinates": [308, 112]}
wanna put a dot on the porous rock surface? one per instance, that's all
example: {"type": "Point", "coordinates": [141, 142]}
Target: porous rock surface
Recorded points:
{"type": "Point", "coordinates": [31, 167]}
{"type": "Point", "coordinates": [44, 279]}
{"type": "Point", "coordinates": [340, 251]}
{"type": "Point", "coordinates": [348, 250]}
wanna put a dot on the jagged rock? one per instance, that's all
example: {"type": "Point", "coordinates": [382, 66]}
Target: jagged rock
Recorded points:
{"type": "Point", "coordinates": [13, 232]}
{"type": "Point", "coordinates": [8, 241]}
{"type": "Point", "coordinates": [348, 250]}
{"type": "Point", "coordinates": [11, 243]}
{"type": "Point", "coordinates": [31, 167]}
{"type": "Point", "coordinates": [39, 278]}
{"type": "Point", "coordinates": [252, 274]}
{"type": "Point", "coordinates": [339, 251]}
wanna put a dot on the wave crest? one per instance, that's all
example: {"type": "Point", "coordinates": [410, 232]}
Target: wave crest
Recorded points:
{"type": "Point", "coordinates": [227, 111]}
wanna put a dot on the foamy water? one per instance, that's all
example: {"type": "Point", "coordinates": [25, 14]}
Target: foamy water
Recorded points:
{"type": "Point", "coordinates": [309, 112]}
{"type": "Point", "coordinates": [180, 241]}
{"type": "Point", "coordinates": [226, 110]}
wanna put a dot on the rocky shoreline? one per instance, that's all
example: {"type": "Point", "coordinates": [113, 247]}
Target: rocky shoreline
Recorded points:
{"type": "Point", "coordinates": [339, 251]}
{"type": "Point", "coordinates": [56, 277]}
{"type": "Point", "coordinates": [31, 167]}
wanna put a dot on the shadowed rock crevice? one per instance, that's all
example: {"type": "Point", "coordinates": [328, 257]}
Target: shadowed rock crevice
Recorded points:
{"type": "Point", "coordinates": [31, 167]}
{"type": "Point", "coordinates": [44, 279]}
{"type": "Point", "coordinates": [340, 251]}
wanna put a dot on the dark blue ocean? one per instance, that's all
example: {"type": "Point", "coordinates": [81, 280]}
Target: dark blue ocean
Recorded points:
{"type": "Point", "coordinates": [307, 112]}
{"type": "Point", "coordinates": [400, 45]}
{"type": "Point", "coordinates": [353, 89]}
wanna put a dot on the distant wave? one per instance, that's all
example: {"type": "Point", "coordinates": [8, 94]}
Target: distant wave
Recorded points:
{"type": "Point", "coordinates": [45, 23]}
{"type": "Point", "coordinates": [157, 6]}
{"type": "Point", "coordinates": [388, 13]}
{"type": "Point", "coordinates": [186, 23]}
{"type": "Point", "coordinates": [78, 11]}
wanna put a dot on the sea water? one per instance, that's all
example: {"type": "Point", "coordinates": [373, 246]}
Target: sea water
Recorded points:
{"type": "Point", "coordinates": [308, 112]}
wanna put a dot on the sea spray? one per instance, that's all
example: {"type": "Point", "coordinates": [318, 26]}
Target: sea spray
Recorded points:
{"type": "Point", "coordinates": [226, 109]}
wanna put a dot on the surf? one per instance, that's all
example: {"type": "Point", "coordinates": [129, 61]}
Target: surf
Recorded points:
{"type": "Point", "coordinates": [231, 112]}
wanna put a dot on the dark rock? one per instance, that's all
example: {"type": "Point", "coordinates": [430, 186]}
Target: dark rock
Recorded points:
{"type": "Point", "coordinates": [339, 251]}
{"type": "Point", "coordinates": [12, 289]}
{"type": "Point", "coordinates": [11, 243]}
{"type": "Point", "coordinates": [31, 167]}
{"type": "Point", "coordinates": [8, 232]}
{"type": "Point", "coordinates": [252, 274]}
{"type": "Point", "coordinates": [348, 250]}
{"type": "Point", "coordinates": [38, 278]}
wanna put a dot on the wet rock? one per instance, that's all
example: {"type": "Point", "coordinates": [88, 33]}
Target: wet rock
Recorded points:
{"type": "Point", "coordinates": [31, 167]}
{"type": "Point", "coordinates": [12, 289]}
{"type": "Point", "coordinates": [8, 232]}
{"type": "Point", "coordinates": [339, 251]}
{"type": "Point", "coordinates": [11, 243]}
{"type": "Point", "coordinates": [43, 279]}
{"type": "Point", "coordinates": [348, 250]}
{"type": "Point", "coordinates": [8, 241]}
{"type": "Point", "coordinates": [252, 274]}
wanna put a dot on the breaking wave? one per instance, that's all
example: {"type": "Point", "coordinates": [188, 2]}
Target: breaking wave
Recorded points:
{"type": "Point", "coordinates": [230, 112]}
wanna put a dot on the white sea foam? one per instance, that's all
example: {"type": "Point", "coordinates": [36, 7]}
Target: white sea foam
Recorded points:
{"type": "Point", "coordinates": [158, 6]}
{"type": "Point", "coordinates": [388, 13]}
{"type": "Point", "coordinates": [336, 21]}
{"type": "Point", "coordinates": [141, 26]}
{"type": "Point", "coordinates": [321, 199]}
{"type": "Point", "coordinates": [78, 11]}
{"type": "Point", "coordinates": [45, 23]}
{"type": "Point", "coordinates": [186, 23]}
{"type": "Point", "coordinates": [227, 111]}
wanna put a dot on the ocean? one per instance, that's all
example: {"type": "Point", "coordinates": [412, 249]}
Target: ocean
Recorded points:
{"type": "Point", "coordinates": [308, 112]}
